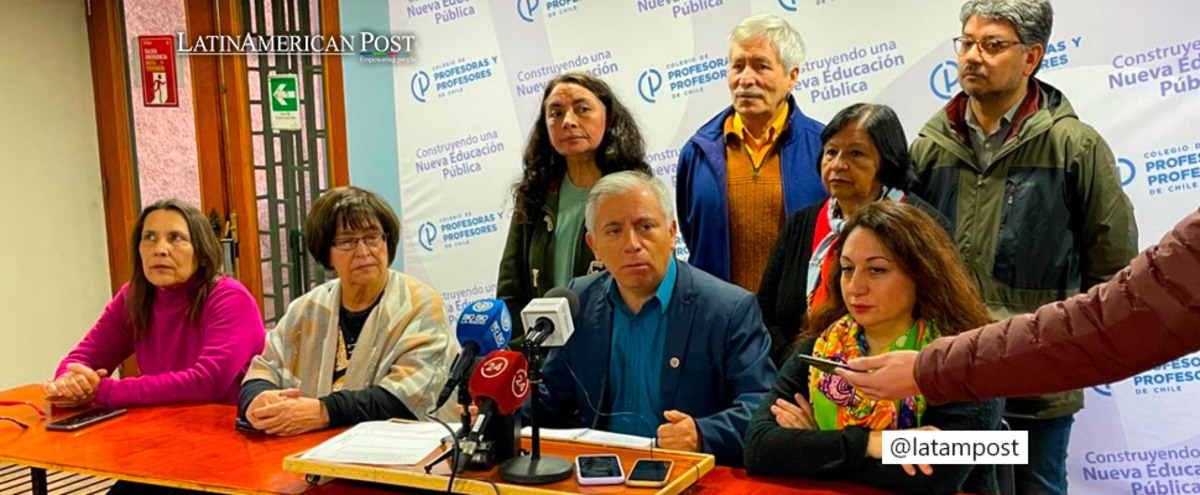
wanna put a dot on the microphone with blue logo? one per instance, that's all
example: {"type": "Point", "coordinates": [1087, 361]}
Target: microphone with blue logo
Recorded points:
{"type": "Point", "coordinates": [483, 327]}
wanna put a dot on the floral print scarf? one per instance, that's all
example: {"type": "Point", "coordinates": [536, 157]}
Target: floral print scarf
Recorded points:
{"type": "Point", "coordinates": [837, 404]}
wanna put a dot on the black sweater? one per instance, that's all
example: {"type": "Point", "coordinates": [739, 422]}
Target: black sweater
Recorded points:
{"type": "Point", "coordinates": [345, 407]}
{"type": "Point", "coordinates": [772, 450]}
{"type": "Point", "coordinates": [783, 294]}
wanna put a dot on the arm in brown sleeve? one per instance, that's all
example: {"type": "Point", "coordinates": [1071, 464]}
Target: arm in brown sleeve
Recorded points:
{"type": "Point", "coordinates": [1145, 316]}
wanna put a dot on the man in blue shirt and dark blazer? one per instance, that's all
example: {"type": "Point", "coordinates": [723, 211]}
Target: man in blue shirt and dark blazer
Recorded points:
{"type": "Point", "coordinates": [660, 349]}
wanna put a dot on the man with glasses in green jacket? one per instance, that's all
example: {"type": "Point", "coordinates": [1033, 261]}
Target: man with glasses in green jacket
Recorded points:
{"type": "Point", "coordinates": [1038, 208]}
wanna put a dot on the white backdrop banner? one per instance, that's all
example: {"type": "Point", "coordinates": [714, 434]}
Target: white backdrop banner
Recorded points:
{"type": "Point", "coordinates": [466, 105]}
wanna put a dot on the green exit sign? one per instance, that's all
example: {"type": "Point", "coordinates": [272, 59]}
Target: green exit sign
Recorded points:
{"type": "Point", "coordinates": [284, 96]}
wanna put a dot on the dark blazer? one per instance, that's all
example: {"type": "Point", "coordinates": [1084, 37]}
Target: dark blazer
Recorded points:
{"type": "Point", "coordinates": [772, 450]}
{"type": "Point", "coordinates": [715, 366]}
{"type": "Point", "coordinates": [783, 293]}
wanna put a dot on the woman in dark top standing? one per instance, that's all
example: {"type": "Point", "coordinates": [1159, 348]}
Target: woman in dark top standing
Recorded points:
{"type": "Point", "coordinates": [897, 284]}
{"type": "Point", "coordinates": [864, 158]}
{"type": "Point", "coordinates": [582, 133]}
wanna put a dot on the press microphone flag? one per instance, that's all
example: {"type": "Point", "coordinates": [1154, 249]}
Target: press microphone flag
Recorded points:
{"type": "Point", "coordinates": [503, 379]}
{"type": "Point", "coordinates": [550, 318]}
{"type": "Point", "coordinates": [484, 326]}
{"type": "Point", "coordinates": [499, 385]}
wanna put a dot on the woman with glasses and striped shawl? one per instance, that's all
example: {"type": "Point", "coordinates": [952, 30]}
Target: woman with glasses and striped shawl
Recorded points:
{"type": "Point", "coordinates": [372, 344]}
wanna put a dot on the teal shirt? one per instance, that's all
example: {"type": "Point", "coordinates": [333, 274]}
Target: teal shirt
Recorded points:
{"type": "Point", "coordinates": [568, 225]}
{"type": "Point", "coordinates": [635, 362]}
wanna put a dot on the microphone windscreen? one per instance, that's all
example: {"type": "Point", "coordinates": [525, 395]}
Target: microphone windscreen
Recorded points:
{"type": "Point", "coordinates": [503, 377]}
{"type": "Point", "coordinates": [569, 295]}
{"type": "Point", "coordinates": [487, 323]}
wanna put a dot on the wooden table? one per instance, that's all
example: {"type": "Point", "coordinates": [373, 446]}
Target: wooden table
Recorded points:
{"type": "Point", "coordinates": [728, 481]}
{"type": "Point", "coordinates": [194, 447]}
{"type": "Point", "coordinates": [197, 447]}
{"type": "Point", "coordinates": [720, 481]}
{"type": "Point", "coordinates": [690, 467]}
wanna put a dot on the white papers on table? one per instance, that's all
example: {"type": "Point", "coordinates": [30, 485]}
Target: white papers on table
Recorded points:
{"type": "Point", "coordinates": [381, 442]}
{"type": "Point", "coordinates": [591, 436]}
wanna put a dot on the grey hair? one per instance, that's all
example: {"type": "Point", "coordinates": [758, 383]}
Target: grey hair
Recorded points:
{"type": "Point", "coordinates": [1032, 19]}
{"type": "Point", "coordinates": [620, 183]}
{"type": "Point", "coordinates": [789, 46]}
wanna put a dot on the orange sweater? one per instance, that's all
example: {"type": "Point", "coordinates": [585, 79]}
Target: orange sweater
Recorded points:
{"type": "Point", "coordinates": [756, 214]}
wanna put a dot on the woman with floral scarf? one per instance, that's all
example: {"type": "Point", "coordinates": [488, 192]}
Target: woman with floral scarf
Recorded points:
{"type": "Point", "coordinates": [896, 284]}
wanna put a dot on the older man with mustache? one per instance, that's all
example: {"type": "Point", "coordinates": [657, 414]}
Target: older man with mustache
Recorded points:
{"type": "Point", "coordinates": [1038, 209]}
{"type": "Point", "coordinates": [753, 165]}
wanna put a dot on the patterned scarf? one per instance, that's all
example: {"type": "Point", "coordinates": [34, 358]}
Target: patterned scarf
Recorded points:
{"type": "Point", "coordinates": [405, 347]}
{"type": "Point", "coordinates": [837, 404]}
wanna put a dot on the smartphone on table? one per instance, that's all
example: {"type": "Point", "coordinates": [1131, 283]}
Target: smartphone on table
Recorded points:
{"type": "Point", "coordinates": [243, 425]}
{"type": "Point", "coordinates": [600, 469]}
{"type": "Point", "coordinates": [650, 473]}
{"type": "Point", "coordinates": [86, 418]}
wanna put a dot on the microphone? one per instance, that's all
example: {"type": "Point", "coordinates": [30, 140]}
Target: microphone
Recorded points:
{"type": "Point", "coordinates": [483, 327]}
{"type": "Point", "coordinates": [550, 323]}
{"type": "Point", "coordinates": [549, 318]}
{"type": "Point", "coordinates": [500, 384]}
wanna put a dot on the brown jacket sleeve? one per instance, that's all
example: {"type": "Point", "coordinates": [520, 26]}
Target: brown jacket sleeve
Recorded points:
{"type": "Point", "coordinates": [1145, 316]}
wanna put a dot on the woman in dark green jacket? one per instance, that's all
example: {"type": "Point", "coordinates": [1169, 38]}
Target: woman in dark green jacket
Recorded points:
{"type": "Point", "coordinates": [581, 134]}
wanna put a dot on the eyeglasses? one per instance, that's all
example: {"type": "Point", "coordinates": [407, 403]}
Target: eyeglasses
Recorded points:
{"type": "Point", "coordinates": [372, 240]}
{"type": "Point", "coordinates": [990, 47]}
{"type": "Point", "coordinates": [19, 403]}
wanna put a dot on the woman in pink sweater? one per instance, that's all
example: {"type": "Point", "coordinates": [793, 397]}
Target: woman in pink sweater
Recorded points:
{"type": "Point", "coordinates": [193, 330]}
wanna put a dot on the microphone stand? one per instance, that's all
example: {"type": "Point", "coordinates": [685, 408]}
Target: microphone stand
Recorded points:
{"type": "Point", "coordinates": [459, 461]}
{"type": "Point", "coordinates": [535, 469]}
{"type": "Point", "coordinates": [498, 442]}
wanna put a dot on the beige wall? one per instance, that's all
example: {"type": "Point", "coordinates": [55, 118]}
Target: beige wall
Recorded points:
{"type": "Point", "coordinates": [53, 254]}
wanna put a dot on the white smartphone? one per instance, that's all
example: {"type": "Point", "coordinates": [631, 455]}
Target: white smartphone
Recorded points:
{"type": "Point", "coordinates": [601, 469]}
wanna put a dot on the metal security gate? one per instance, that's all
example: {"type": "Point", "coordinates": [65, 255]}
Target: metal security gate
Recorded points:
{"type": "Point", "coordinates": [291, 168]}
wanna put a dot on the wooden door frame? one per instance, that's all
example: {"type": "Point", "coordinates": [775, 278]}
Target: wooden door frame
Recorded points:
{"type": "Point", "coordinates": [223, 131]}
{"type": "Point", "coordinates": [206, 102]}
{"type": "Point", "coordinates": [110, 89]}
{"type": "Point", "coordinates": [335, 100]}
{"type": "Point", "coordinates": [224, 145]}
